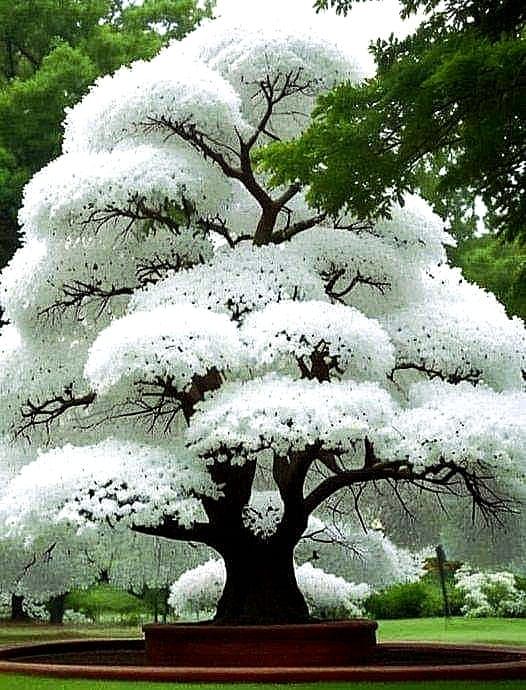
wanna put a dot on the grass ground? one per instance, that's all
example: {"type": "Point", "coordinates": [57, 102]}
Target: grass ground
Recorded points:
{"type": "Point", "coordinates": [24, 683]}
{"type": "Point", "coordinates": [511, 631]}
{"type": "Point", "coordinates": [489, 630]}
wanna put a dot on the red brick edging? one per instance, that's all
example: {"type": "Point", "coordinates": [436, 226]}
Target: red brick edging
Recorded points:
{"type": "Point", "coordinates": [509, 669]}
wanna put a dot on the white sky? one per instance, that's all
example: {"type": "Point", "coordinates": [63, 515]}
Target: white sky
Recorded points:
{"type": "Point", "coordinates": [366, 22]}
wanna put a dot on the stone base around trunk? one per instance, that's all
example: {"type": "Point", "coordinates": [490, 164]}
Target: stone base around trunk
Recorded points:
{"type": "Point", "coordinates": [337, 643]}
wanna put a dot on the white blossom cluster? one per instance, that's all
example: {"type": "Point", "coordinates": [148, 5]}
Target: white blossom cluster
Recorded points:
{"type": "Point", "coordinates": [283, 332]}
{"type": "Point", "coordinates": [113, 480]}
{"type": "Point", "coordinates": [61, 198]}
{"type": "Point", "coordinates": [263, 513]}
{"type": "Point", "coordinates": [284, 414]}
{"type": "Point", "coordinates": [112, 113]}
{"type": "Point", "coordinates": [459, 331]}
{"type": "Point", "coordinates": [235, 282]}
{"type": "Point", "coordinates": [176, 342]}
{"type": "Point", "coordinates": [489, 593]}
{"type": "Point", "coordinates": [473, 427]}
{"type": "Point", "coordinates": [243, 55]}
{"type": "Point", "coordinates": [330, 596]}
{"type": "Point", "coordinates": [197, 591]}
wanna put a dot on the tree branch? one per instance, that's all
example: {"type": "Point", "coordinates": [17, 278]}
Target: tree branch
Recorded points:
{"type": "Point", "coordinates": [294, 229]}
{"type": "Point", "coordinates": [359, 279]}
{"type": "Point", "coordinates": [473, 375]}
{"type": "Point", "coordinates": [78, 292]}
{"type": "Point", "coordinates": [221, 153]}
{"type": "Point", "coordinates": [45, 413]}
{"type": "Point", "coordinates": [169, 214]}
{"type": "Point", "coordinates": [201, 532]}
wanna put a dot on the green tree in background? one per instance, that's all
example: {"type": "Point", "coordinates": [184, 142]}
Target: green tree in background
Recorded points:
{"type": "Point", "coordinates": [496, 266]}
{"type": "Point", "coordinates": [50, 52]}
{"type": "Point", "coordinates": [451, 98]}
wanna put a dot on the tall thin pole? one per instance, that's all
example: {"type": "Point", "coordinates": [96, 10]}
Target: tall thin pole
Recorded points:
{"type": "Point", "coordinates": [441, 561]}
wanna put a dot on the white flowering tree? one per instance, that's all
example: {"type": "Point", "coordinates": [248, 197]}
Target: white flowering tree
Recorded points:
{"type": "Point", "coordinates": [198, 356]}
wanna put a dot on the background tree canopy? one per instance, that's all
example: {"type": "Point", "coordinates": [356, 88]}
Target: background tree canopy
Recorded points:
{"type": "Point", "coordinates": [50, 52]}
{"type": "Point", "coordinates": [448, 99]}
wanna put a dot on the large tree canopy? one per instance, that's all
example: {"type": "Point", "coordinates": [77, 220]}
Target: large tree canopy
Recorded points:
{"type": "Point", "coordinates": [450, 96]}
{"type": "Point", "coordinates": [50, 52]}
{"type": "Point", "coordinates": [196, 356]}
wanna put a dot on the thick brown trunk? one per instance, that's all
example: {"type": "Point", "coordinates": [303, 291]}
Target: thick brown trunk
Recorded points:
{"type": "Point", "coordinates": [56, 607]}
{"type": "Point", "coordinates": [261, 587]}
{"type": "Point", "coordinates": [18, 615]}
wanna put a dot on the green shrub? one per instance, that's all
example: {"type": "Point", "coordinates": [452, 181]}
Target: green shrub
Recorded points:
{"type": "Point", "coordinates": [412, 600]}
{"type": "Point", "coordinates": [105, 604]}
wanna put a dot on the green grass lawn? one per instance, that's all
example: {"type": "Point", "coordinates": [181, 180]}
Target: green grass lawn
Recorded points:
{"type": "Point", "coordinates": [15, 633]}
{"type": "Point", "coordinates": [510, 631]}
{"type": "Point", "coordinates": [488, 630]}
{"type": "Point", "coordinates": [25, 683]}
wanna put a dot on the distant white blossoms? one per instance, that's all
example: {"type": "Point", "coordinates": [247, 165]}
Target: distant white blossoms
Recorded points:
{"type": "Point", "coordinates": [489, 593]}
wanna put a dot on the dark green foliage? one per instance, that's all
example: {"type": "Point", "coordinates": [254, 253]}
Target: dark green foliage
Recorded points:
{"type": "Point", "coordinates": [496, 266]}
{"type": "Point", "coordinates": [452, 93]}
{"type": "Point", "coordinates": [409, 600]}
{"type": "Point", "coordinates": [50, 52]}
{"type": "Point", "coordinates": [414, 600]}
{"type": "Point", "coordinates": [156, 601]}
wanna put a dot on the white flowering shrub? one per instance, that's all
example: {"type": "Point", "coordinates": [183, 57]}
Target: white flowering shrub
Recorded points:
{"type": "Point", "coordinates": [330, 596]}
{"type": "Point", "coordinates": [5, 606]}
{"type": "Point", "coordinates": [490, 594]}
{"type": "Point", "coordinates": [196, 356]}
{"type": "Point", "coordinates": [196, 593]}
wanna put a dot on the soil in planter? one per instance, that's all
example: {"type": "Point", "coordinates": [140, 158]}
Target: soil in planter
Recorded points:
{"type": "Point", "coordinates": [384, 655]}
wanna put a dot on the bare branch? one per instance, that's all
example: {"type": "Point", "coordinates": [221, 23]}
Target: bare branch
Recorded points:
{"type": "Point", "coordinates": [76, 295]}
{"type": "Point", "coordinates": [442, 477]}
{"type": "Point", "coordinates": [274, 90]}
{"type": "Point", "coordinates": [169, 215]}
{"type": "Point", "coordinates": [337, 295]}
{"type": "Point", "coordinates": [295, 228]}
{"type": "Point", "coordinates": [357, 226]}
{"type": "Point", "coordinates": [160, 400]}
{"type": "Point", "coordinates": [473, 375]}
{"type": "Point", "coordinates": [201, 532]}
{"type": "Point", "coordinates": [188, 131]}
{"type": "Point", "coordinates": [44, 414]}
{"type": "Point", "coordinates": [219, 226]}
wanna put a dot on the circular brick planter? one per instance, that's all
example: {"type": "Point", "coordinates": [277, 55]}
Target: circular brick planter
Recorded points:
{"type": "Point", "coordinates": [292, 657]}
{"type": "Point", "coordinates": [314, 644]}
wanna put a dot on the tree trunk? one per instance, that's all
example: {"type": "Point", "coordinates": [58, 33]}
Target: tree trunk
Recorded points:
{"type": "Point", "coordinates": [18, 615]}
{"type": "Point", "coordinates": [261, 587]}
{"type": "Point", "coordinates": [56, 608]}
